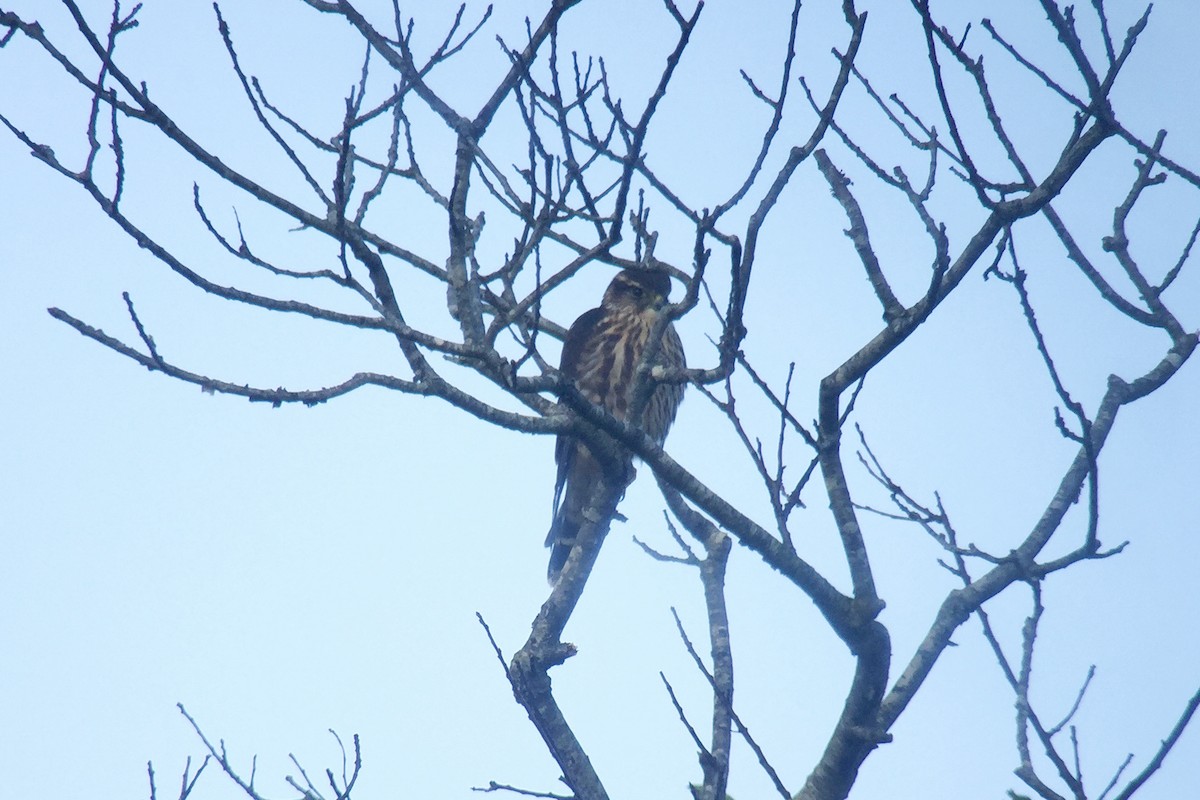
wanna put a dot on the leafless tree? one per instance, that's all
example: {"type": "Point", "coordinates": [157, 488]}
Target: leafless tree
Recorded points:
{"type": "Point", "coordinates": [560, 164]}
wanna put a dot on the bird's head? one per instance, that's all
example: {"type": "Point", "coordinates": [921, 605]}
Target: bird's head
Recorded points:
{"type": "Point", "coordinates": [638, 290]}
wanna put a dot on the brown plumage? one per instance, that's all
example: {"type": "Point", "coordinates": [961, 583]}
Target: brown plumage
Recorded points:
{"type": "Point", "coordinates": [601, 353]}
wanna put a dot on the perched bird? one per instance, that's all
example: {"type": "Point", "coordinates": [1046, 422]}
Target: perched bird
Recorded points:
{"type": "Point", "coordinates": [601, 353]}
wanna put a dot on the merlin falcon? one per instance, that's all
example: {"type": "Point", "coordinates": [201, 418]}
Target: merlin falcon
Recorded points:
{"type": "Point", "coordinates": [601, 353]}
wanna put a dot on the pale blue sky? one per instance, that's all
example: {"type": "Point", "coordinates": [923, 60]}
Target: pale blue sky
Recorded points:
{"type": "Point", "coordinates": [286, 571]}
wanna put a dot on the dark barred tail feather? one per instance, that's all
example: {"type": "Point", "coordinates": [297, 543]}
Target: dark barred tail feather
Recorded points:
{"type": "Point", "coordinates": [577, 473]}
{"type": "Point", "coordinates": [560, 540]}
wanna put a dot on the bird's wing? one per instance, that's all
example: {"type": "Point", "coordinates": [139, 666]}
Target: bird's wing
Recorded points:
{"type": "Point", "coordinates": [577, 338]}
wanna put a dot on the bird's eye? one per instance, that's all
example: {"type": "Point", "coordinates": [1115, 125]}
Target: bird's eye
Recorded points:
{"type": "Point", "coordinates": [636, 291]}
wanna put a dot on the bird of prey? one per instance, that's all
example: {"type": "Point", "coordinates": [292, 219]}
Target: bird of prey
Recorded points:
{"type": "Point", "coordinates": [601, 353]}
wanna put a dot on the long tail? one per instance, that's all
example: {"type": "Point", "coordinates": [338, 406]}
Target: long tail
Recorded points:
{"type": "Point", "coordinates": [560, 540]}
{"type": "Point", "coordinates": [570, 484]}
